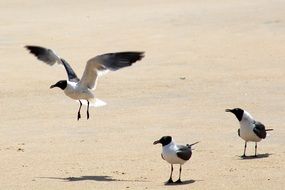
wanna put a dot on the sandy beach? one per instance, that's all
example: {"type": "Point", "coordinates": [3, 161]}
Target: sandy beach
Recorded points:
{"type": "Point", "coordinates": [201, 58]}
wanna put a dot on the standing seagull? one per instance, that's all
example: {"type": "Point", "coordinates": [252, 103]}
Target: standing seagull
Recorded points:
{"type": "Point", "coordinates": [81, 89]}
{"type": "Point", "coordinates": [174, 154]}
{"type": "Point", "coordinates": [250, 130]}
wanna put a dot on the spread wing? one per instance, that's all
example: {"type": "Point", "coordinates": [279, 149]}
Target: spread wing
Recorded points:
{"type": "Point", "coordinates": [107, 62]}
{"type": "Point", "coordinates": [259, 129]}
{"type": "Point", "coordinates": [49, 57]}
{"type": "Point", "coordinates": [184, 152]}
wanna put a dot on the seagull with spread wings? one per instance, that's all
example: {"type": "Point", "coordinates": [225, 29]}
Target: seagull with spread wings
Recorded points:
{"type": "Point", "coordinates": [81, 89]}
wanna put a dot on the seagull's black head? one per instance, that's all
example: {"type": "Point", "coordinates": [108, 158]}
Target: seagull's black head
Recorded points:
{"type": "Point", "coordinates": [237, 111]}
{"type": "Point", "coordinates": [62, 84]}
{"type": "Point", "coordinates": [165, 140]}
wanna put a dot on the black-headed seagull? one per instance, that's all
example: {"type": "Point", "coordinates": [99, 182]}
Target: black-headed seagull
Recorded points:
{"type": "Point", "coordinates": [174, 154]}
{"type": "Point", "coordinates": [81, 89]}
{"type": "Point", "coordinates": [250, 129]}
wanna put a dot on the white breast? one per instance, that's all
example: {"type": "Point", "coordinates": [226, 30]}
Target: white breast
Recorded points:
{"type": "Point", "coordinates": [169, 154]}
{"type": "Point", "coordinates": [246, 128]}
{"type": "Point", "coordinates": [77, 92]}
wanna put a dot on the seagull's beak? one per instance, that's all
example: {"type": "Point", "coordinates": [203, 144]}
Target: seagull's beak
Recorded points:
{"type": "Point", "coordinates": [52, 86]}
{"type": "Point", "coordinates": [156, 142]}
{"type": "Point", "coordinates": [229, 110]}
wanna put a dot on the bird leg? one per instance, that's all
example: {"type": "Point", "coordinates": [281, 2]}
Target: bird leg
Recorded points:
{"type": "Point", "coordinates": [255, 149]}
{"type": "Point", "coordinates": [78, 114]}
{"type": "Point", "coordinates": [170, 179]}
{"type": "Point", "coordinates": [87, 109]}
{"type": "Point", "coordinates": [244, 149]}
{"type": "Point", "coordinates": [179, 180]}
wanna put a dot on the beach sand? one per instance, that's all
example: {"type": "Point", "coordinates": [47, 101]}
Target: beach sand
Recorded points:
{"type": "Point", "coordinates": [201, 58]}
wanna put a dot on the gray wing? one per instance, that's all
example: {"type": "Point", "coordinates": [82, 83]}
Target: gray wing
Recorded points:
{"type": "Point", "coordinates": [49, 57]}
{"type": "Point", "coordinates": [184, 152]}
{"type": "Point", "coordinates": [259, 129]}
{"type": "Point", "coordinates": [106, 62]}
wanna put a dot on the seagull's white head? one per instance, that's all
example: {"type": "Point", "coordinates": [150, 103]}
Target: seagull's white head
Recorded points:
{"type": "Point", "coordinates": [62, 84]}
{"type": "Point", "coordinates": [237, 111]}
{"type": "Point", "coordinates": [165, 140]}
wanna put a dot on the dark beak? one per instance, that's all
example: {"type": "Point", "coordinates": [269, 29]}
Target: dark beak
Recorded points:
{"type": "Point", "coordinates": [156, 142]}
{"type": "Point", "coordinates": [229, 110]}
{"type": "Point", "coordinates": [52, 86]}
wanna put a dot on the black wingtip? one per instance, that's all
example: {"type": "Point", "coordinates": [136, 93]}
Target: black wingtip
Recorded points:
{"type": "Point", "coordinates": [28, 47]}
{"type": "Point", "coordinates": [34, 49]}
{"type": "Point", "coordinates": [133, 56]}
{"type": "Point", "coordinates": [42, 54]}
{"type": "Point", "coordinates": [122, 59]}
{"type": "Point", "coordinates": [141, 55]}
{"type": "Point", "coordinates": [31, 49]}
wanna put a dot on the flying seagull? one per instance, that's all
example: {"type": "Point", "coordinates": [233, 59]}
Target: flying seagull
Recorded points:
{"type": "Point", "coordinates": [250, 129]}
{"type": "Point", "coordinates": [174, 154]}
{"type": "Point", "coordinates": [81, 89]}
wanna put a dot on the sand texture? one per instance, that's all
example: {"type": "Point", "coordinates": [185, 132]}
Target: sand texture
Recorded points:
{"type": "Point", "coordinates": [201, 58]}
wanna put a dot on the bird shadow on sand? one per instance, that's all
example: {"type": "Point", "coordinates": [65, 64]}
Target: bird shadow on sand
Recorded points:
{"type": "Point", "coordinates": [90, 178]}
{"type": "Point", "coordinates": [259, 156]}
{"type": "Point", "coordinates": [84, 178]}
{"type": "Point", "coordinates": [186, 182]}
